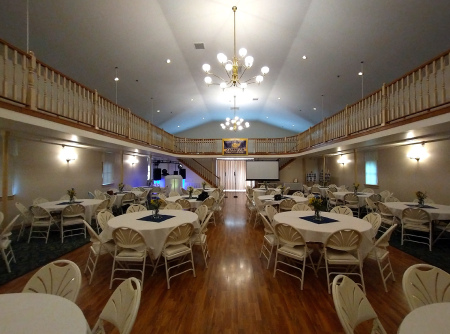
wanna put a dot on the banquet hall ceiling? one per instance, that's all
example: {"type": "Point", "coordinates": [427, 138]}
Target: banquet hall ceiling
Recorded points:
{"type": "Point", "coordinates": [87, 39]}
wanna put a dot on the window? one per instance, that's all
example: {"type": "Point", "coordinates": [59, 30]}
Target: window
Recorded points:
{"type": "Point", "coordinates": [371, 168]}
{"type": "Point", "coordinates": [108, 169]}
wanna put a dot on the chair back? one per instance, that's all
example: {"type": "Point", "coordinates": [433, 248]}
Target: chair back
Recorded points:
{"type": "Point", "coordinates": [351, 199]}
{"type": "Point", "coordinates": [384, 210]}
{"type": "Point", "coordinates": [39, 200]}
{"type": "Point", "coordinates": [201, 212]}
{"type": "Point", "coordinates": [383, 241]}
{"type": "Point", "coordinates": [91, 195]}
{"type": "Point", "coordinates": [162, 196]}
{"type": "Point", "coordinates": [352, 305]}
{"type": "Point", "coordinates": [425, 284]}
{"type": "Point", "coordinates": [287, 204]}
{"type": "Point", "coordinates": [330, 194]}
{"type": "Point", "coordinates": [122, 307]}
{"type": "Point", "coordinates": [61, 278]}
{"type": "Point", "coordinates": [413, 216]}
{"type": "Point", "coordinates": [95, 239]}
{"type": "Point", "coordinates": [128, 198]}
{"type": "Point", "coordinates": [346, 240]}
{"type": "Point", "coordinates": [375, 198]}
{"type": "Point", "coordinates": [111, 202]}
{"type": "Point", "coordinates": [301, 207]}
{"type": "Point", "coordinates": [103, 217]}
{"type": "Point", "coordinates": [125, 237]}
{"type": "Point", "coordinates": [26, 214]}
{"type": "Point", "coordinates": [98, 193]}
{"type": "Point", "coordinates": [103, 205]}
{"type": "Point", "coordinates": [289, 235]}
{"type": "Point", "coordinates": [136, 208]}
{"type": "Point", "coordinates": [215, 194]}
{"type": "Point", "coordinates": [391, 199]}
{"type": "Point", "coordinates": [333, 189]}
{"type": "Point", "coordinates": [298, 193]}
{"type": "Point", "coordinates": [342, 210]}
{"type": "Point", "coordinates": [286, 191]}
{"type": "Point", "coordinates": [315, 190]}
{"type": "Point", "coordinates": [209, 202]}
{"type": "Point", "coordinates": [196, 192]}
{"type": "Point", "coordinates": [270, 211]}
{"type": "Point", "coordinates": [368, 191]}
{"type": "Point", "coordinates": [185, 204]}
{"type": "Point", "coordinates": [370, 205]}
{"type": "Point", "coordinates": [40, 213]}
{"type": "Point", "coordinates": [73, 210]}
{"type": "Point", "coordinates": [174, 193]}
{"type": "Point", "coordinates": [173, 206]}
{"type": "Point", "coordinates": [375, 220]}
{"type": "Point", "coordinates": [384, 194]}
{"type": "Point", "coordinates": [179, 235]}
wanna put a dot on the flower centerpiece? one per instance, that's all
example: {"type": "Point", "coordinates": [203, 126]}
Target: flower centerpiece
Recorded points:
{"type": "Point", "coordinates": [282, 190]}
{"type": "Point", "coordinates": [190, 190]}
{"type": "Point", "coordinates": [265, 185]}
{"type": "Point", "coordinates": [72, 194]}
{"type": "Point", "coordinates": [355, 187]}
{"type": "Point", "coordinates": [421, 198]}
{"type": "Point", "coordinates": [316, 203]}
{"type": "Point", "coordinates": [121, 186]}
{"type": "Point", "coordinates": [155, 204]}
{"type": "Point", "coordinates": [204, 185]}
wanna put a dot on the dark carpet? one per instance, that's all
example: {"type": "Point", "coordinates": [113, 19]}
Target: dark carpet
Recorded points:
{"type": "Point", "coordinates": [37, 253]}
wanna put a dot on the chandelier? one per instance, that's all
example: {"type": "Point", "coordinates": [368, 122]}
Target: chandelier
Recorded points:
{"type": "Point", "coordinates": [231, 67]}
{"type": "Point", "coordinates": [235, 123]}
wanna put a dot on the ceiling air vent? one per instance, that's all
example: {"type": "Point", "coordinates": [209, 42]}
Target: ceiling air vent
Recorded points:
{"type": "Point", "coordinates": [255, 98]}
{"type": "Point", "coordinates": [199, 46]}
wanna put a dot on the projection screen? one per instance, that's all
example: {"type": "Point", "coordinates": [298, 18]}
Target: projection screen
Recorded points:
{"type": "Point", "coordinates": [263, 170]}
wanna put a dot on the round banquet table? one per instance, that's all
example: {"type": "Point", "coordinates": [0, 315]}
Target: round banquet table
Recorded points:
{"type": "Point", "coordinates": [194, 203]}
{"type": "Point", "coordinates": [40, 313]}
{"type": "Point", "coordinates": [154, 233]}
{"type": "Point", "coordinates": [430, 319]}
{"type": "Point", "coordinates": [313, 232]}
{"type": "Point", "coordinates": [119, 195]}
{"type": "Point", "coordinates": [361, 196]}
{"type": "Point", "coordinates": [269, 200]}
{"type": "Point", "coordinates": [258, 192]}
{"type": "Point", "coordinates": [440, 212]}
{"type": "Point", "coordinates": [89, 204]}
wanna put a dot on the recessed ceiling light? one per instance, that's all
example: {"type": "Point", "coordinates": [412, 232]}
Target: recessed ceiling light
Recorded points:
{"type": "Point", "coordinates": [203, 118]}
{"type": "Point", "coordinates": [279, 98]}
{"type": "Point", "coordinates": [158, 110]}
{"type": "Point", "coordinates": [178, 126]}
{"type": "Point", "coordinates": [360, 73]}
{"type": "Point", "coordinates": [304, 57]}
{"type": "Point", "coordinates": [315, 108]}
{"type": "Point", "coordinates": [293, 125]}
{"type": "Point", "coordinates": [267, 116]}
{"type": "Point", "coordinates": [192, 99]}
{"type": "Point", "coordinates": [168, 61]}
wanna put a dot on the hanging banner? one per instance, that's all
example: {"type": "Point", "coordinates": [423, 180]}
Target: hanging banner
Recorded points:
{"type": "Point", "coordinates": [234, 146]}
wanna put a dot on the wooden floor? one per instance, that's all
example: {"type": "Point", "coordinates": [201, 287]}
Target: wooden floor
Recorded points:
{"type": "Point", "coordinates": [237, 294]}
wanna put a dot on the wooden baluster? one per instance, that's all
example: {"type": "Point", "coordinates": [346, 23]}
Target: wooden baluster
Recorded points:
{"type": "Point", "coordinates": [31, 88]}
{"type": "Point", "coordinates": [5, 58]}
{"type": "Point", "coordinates": [427, 75]}
{"type": "Point", "coordinates": [15, 88]}
{"type": "Point", "coordinates": [24, 80]}
{"type": "Point", "coordinates": [435, 100]}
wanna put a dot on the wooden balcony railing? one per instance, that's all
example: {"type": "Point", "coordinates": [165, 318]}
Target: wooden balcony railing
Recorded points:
{"type": "Point", "coordinates": [43, 90]}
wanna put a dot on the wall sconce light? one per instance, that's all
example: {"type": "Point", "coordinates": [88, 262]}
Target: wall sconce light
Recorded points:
{"type": "Point", "coordinates": [68, 154]}
{"type": "Point", "coordinates": [133, 160]}
{"type": "Point", "coordinates": [342, 160]}
{"type": "Point", "coordinates": [418, 152]}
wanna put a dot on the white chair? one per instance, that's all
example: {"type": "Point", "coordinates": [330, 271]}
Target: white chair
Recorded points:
{"type": "Point", "coordinates": [209, 202]}
{"type": "Point", "coordinates": [287, 204]}
{"type": "Point", "coordinates": [136, 208]}
{"type": "Point", "coordinates": [291, 246]}
{"type": "Point", "coordinates": [201, 212]}
{"type": "Point", "coordinates": [342, 210]}
{"type": "Point", "coordinates": [5, 244]}
{"type": "Point", "coordinates": [122, 307]}
{"type": "Point", "coordinates": [61, 278]}
{"type": "Point", "coordinates": [424, 284]}
{"type": "Point", "coordinates": [417, 220]}
{"type": "Point", "coordinates": [199, 238]}
{"type": "Point", "coordinates": [174, 193]}
{"type": "Point", "coordinates": [103, 217]}
{"type": "Point", "coordinates": [387, 217]}
{"type": "Point", "coordinates": [370, 205]}
{"type": "Point", "coordinates": [331, 200]}
{"type": "Point", "coordinates": [352, 201]}
{"type": "Point", "coordinates": [112, 201]}
{"type": "Point", "coordinates": [97, 248]}
{"type": "Point", "coordinates": [368, 191]}
{"type": "Point", "coordinates": [102, 206]}
{"type": "Point", "coordinates": [286, 191]}
{"type": "Point", "coordinates": [91, 195]}
{"type": "Point", "coordinates": [40, 200]}
{"type": "Point", "coordinates": [270, 241]}
{"type": "Point", "coordinates": [260, 208]}
{"type": "Point", "coordinates": [315, 190]}
{"type": "Point", "coordinates": [375, 220]}
{"type": "Point", "coordinates": [384, 194]}
{"type": "Point", "coordinates": [298, 193]}
{"type": "Point", "coordinates": [130, 250]}
{"type": "Point", "coordinates": [72, 221]}
{"type": "Point", "coordinates": [42, 221]}
{"type": "Point", "coordinates": [380, 253]}
{"type": "Point", "coordinates": [98, 194]}
{"type": "Point", "coordinates": [442, 227]}
{"type": "Point", "coordinates": [178, 245]}
{"type": "Point", "coordinates": [301, 207]}
{"type": "Point", "coordinates": [251, 207]}
{"type": "Point", "coordinates": [391, 199]}
{"type": "Point", "coordinates": [270, 211]}
{"type": "Point", "coordinates": [341, 249]}
{"type": "Point", "coordinates": [127, 199]}
{"type": "Point", "coordinates": [26, 218]}
{"type": "Point", "coordinates": [173, 206]}
{"type": "Point", "coordinates": [185, 204]}
{"type": "Point", "coordinates": [352, 306]}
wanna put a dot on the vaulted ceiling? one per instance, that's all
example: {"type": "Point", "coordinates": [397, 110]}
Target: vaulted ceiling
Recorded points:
{"type": "Point", "coordinates": [87, 39]}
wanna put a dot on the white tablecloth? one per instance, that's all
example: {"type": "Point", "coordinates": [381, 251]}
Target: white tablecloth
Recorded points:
{"type": "Point", "coordinates": [194, 203]}
{"type": "Point", "coordinates": [268, 199]}
{"type": "Point", "coordinates": [39, 313]}
{"type": "Point", "coordinates": [120, 195]}
{"type": "Point", "coordinates": [154, 233]}
{"type": "Point", "coordinates": [442, 212]}
{"type": "Point", "coordinates": [361, 196]}
{"type": "Point", "coordinates": [293, 185]}
{"type": "Point", "coordinates": [257, 192]}
{"type": "Point", "coordinates": [313, 232]}
{"type": "Point", "coordinates": [430, 319]}
{"type": "Point", "coordinates": [208, 190]}
{"type": "Point", "coordinates": [90, 205]}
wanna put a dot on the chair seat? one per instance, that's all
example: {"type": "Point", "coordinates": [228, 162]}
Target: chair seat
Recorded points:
{"type": "Point", "coordinates": [42, 223]}
{"type": "Point", "coordinates": [4, 243]}
{"type": "Point", "coordinates": [176, 250]}
{"type": "Point", "coordinates": [129, 254]}
{"type": "Point", "coordinates": [107, 247]}
{"type": "Point", "coordinates": [271, 239]}
{"type": "Point", "coordinates": [72, 221]}
{"type": "Point", "coordinates": [378, 253]}
{"type": "Point", "coordinates": [295, 252]}
{"type": "Point", "coordinates": [335, 257]}
{"type": "Point", "coordinates": [417, 227]}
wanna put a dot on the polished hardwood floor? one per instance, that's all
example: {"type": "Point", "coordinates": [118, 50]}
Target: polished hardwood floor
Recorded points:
{"type": "Point", "coordinates": [236, 293]}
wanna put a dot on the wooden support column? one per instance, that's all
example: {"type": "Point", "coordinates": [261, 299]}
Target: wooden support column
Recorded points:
{"type": "Point", "coordinates": [5, 154]}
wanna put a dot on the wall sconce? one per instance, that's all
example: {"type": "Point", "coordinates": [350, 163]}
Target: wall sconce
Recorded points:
{"type": "Point", "coordinates": [342, 160]}
{"type": "Point", "coordinates": [68, 154]}
{"type": "Point", "coordinates": [133, 160]}
{"type": "Point", "coordinates": [417, 152]}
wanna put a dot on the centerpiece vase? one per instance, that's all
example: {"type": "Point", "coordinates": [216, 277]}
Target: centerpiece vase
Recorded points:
{"type": "Point", "coordinates": [317, 215]}
{"type": "Point", "coordinates": [355, 191]}
{"type": "Point", "coordinates": [190, 195]}
{"type": "Point", "coordinates": [156, 213]}
{"type": "Point", "coordinates": [421, 203]}
{"type": "Point", "coordinates": [71, 199]}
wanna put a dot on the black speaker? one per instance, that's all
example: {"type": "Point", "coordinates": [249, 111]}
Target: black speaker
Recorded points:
{"type": "Point", "coordinates": [183, 173]}
{"type": "Point", "coordinates": [157, 174]}
{"type": "Point", "coordinates": [175, 172]}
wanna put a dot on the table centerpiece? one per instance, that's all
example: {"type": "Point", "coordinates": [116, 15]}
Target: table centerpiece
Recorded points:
{"type": "Point", "coordinates": [421, 198]}
{"type": "Point", "coordinates": [316, 203]}
{"type": "Point", "coordinates": [121, 186]}
{"type": "Point", "coordinates": [155, 204]}
{"type": "Point", "coordinates": [72, 194]}
{"type": "Point", "coordinates": [190, 191]}
{"type": "Point", "coordinates": [355, 187]}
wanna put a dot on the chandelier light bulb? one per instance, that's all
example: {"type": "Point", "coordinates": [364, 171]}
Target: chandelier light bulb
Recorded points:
{"type": "Point", "coordinates": [206, 68]}
{"type": "Point", "coordinates": [264, 70]}
{"type": "Point", "coordinates": [259, 79]}
{"type": "Point", "coordinates": [241, 120]}
{"type": "Point", "coordinates": [240, 127]}
{"type": "Point", "coordinates": [231, 128]}
{"type": "Point", "coordinates": [228, 67]}
{"type": "Point", "coordinates": [236, 118]}
{"type": "Point", "coordinates": [247, 124]}
{"type": "Point", "coordinates": [242, 52]}
{"type": "Point", "coordinates": [208, 80]}
{"type": "Point", "coordinates": [222, 58]}
{"type": "Point", "coordinates": [248, 61]}
{"type": "Point", "coordinates": [227, 119]}
{"type": "Point", "coordinates": [227, 123]}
